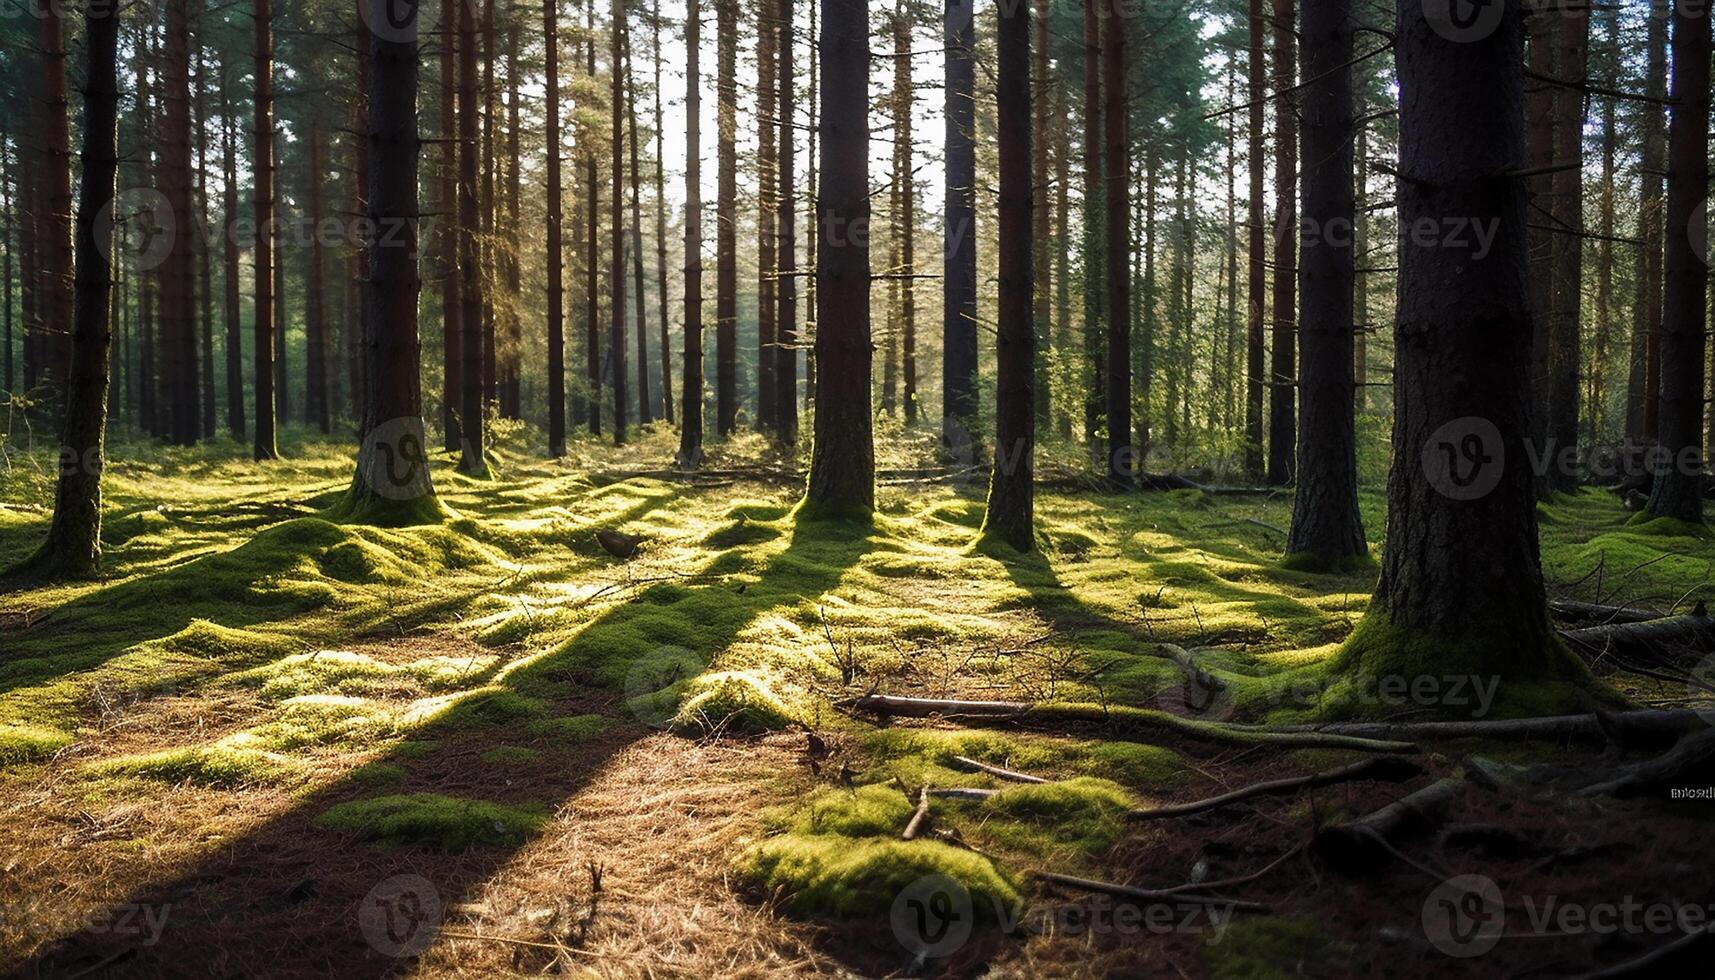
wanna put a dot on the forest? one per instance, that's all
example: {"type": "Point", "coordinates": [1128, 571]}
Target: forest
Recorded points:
{"type": "Point", "coordinates": [756, 488]}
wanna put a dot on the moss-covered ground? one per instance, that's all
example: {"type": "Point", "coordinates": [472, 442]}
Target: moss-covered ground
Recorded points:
{"type": "Point", "coordinates": [262, 712]}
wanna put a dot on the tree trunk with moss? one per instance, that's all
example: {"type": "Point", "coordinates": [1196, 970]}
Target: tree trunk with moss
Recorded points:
{"type": "Point", "coordinates": [1461, 586]}
{"type": "Point", "coordinates": [842, 463]}
{"type": "Point", "coordinates": [1679, 484]}
{"type": "Point", "coordinates": [1326, 528]}
{"type": "Point", "coordinates": [1011, 502]}
{"type": "Point", "coordinates": [392, 486]}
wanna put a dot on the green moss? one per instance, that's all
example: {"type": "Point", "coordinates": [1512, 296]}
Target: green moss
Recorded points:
{"type": "Point", "coordinates": [1083, 815]}
{"type": "Point", "coordinates": [356, 674]}
{"type": "Point", "coordinates": [321, 719]}
{"type": "Point", "coordinates": [835, 875]}
{"type": "Point", "coordinates": [572, 730]}
{"type": "Point", "coordinates": [876, 810]}
{"type": "Point", "coordinates": [376, 774]}
{"type": "Point", "coordinates": [217, 765]}
{"type": "Point", "coordinates": [1276, 947]}
{"type": "Point", "coordinates": [510, 755]}
{"type": "Point", "coordinates": [1644, 523]}
{"type": "Point", "coordinates": [1315, 564]}
{"type": "Point", "coordinates": [23, 743]}
{"type": "Point", "coordinates": [486, 706]}
{"type": "Point", "coordinates": [731, 701]}
{"type": "Point", "coordinates": [442, 823]}
{"type": "Point", "coordinates": [921, 756]}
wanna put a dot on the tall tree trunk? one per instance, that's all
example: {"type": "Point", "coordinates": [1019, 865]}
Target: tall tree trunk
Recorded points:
{"type": "Point", "coordinates": [1462, 344]}
{"type": "Point", "coordinates": [1679, 486]}
{"type": "Point", "coordinates": [447, 238]}
{"type": "Point", "coordinates": [315, 303]}
{"type": "Point", "coordinates": [1229, 387]}
{"type": "Point", "coordinates": [1567, 207]}
{"type": "Point", "coordinates": [178, 273]}
{"type": "Point", "coordinates": [842, 463]}
{"type": "Point", "coordinates": [73, 547]}
{"type": "Point", "coordinates": [691, 414]}
{"type": "Point", "coordinates": [262, 167]}
{"type": "Point", "coordinates": [511, 365]}
{"type": "Point", "coordinates": [1147, 340]}
{"type": "Point", "coordinates": [1282, 440]}
{"type": "Point", "coordinates": [1042, 221]}
{"type": "Point", "coordinates": [1326, 527]}
{"type": "Point", "coordinates": [1597, 429]}
{"type": "Point", "coordinates": [1541, 26]}
{"type": "Point", "coordinates": [392, 485]}
{"type": "Point", "coordinates": [959, 280]}
{"type": "Point", "coordinates": [767, 264]}
{"type": "Point", "coordinates": [726, 217]}
{"type": "Point", "coordinates": [229, 262]}
{"type": "Point", "coordinates": [556, 255]}
{"type": "Point", "coordinates": [204, 271]}
{"type": "Point", "coordinates": [1063, 265]}
{"type": "Point", "coordinates": [905, 216]}
{"type": "Point", "coordinates": [357, 253]}
{"type": "Point", "coordinates": [786, 363]}
{"type": "Point", "coordinates": [282, 369]}
{"type": "Point", "coordinates": [1256, 274]}
{"type": "Point", "coordinates": [1011, 503]}
{"type": "Point", "coordinates": [657, 27]}
{"type": "Point", "coordinates": [592, 238]}
{"type": "Point", "coordinates": [9, 242]}
{"type": "Point", "coordinates": [1361, 257]}
{"type": "Point", "coordinates": [616, 325]}
{"type": "Point", "coordinates": [1116, 95]}
{"type": "Point", "coordinates": [811, 191]}
{"type": "Point", "coordinates": [473, 460]}
{"type": "Point", "coordinates": [1095, 371]}
{"type": "Point", "coordinates": [645, 413]}
{"type": "Point", "coordinates": [488, 248]}
{"type": "Point", "coordinates": [1644, 393]}
{"type": "Point", "coordinates": [55, 349]}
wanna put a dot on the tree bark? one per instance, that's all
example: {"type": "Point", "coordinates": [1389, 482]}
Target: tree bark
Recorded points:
{"type": "Point", "coordinates": [392, 485]}
{"type": "Point", "coordinates": [786, 364]}
{"type": "Point", "coordinates": [767, 160]}
{"type": "Point", "coordinates": [178, 272]}
{"type": "Point", "coordinates": [1282, 437]}
{"type": "Point", "coordinates": [959, 280]}
{"type": "Point", "coordinates": [1043, 218]}
{"type": "Point", "coordinates": [556, 251]}
{"type": "Point", "coordinates": [73, 546]}
{"type": "Point", "coordinates": [1678, 491]}
{"type": "Point", "coordinates": [262, 167]}
{"type": "Point", "coordinates": [1461, 580]}
{"type": "Point", "coordinates": [842, 463]}
{"type": "Point", "coordinates": [1256, 275]}
{"type": "Point", "coordinates": [315, 302]}
{"type": "Point", "coordinates": [1011, 503]}
{"type": "Point", "coordinates": [1117, 108]}
{"type": "Point", "coordinates": [56, 232]}
{"type": "Point", "coordinates": [473, 448]}
{"type": "Point", "coordinates": [447, 239]}
{"type": "Point", "coordinates": [691, 414]}
{"type": "Point", "coordinates": [511, 362]}
{"type": "Point", "coordinates": [204, 270]}
{"type": "Point", "coordinates": [726, 217]}
{"type": "Point", "coordinates": [645, 412]}
{"type": "Point", "coordinates": [616, 303]}
{"type": "Point", "coordinates": [905, 189]}
{"type": "Point", "coordinates": [1644, 393]}
{"type": "Point", "coordinates": [229, 263]}
{"type": "Point", "coordinates": [1326, 527]}
{"type": "Point", "coordinates": [661, 222]}
{"type": "Point", "coordinates": [592, 239]}
{"type": "Point", "coordinates": [1094, 368]}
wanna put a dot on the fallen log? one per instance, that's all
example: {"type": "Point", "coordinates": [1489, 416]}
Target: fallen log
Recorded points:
{"type": "Point", "coordinates": [972, 765]}
{"type": "Point", "coordinates": [1595, 612]}
{"type": "Point", "coordinates": [962, 793]}
{"type": "Point", "coordinates": [1556, 728]}
{"type": "Point", "coordinates": [1154, 896]}
{"type": "Point", "coordinates": [1362, 842]}
{"type": "Point", "coordinates": [919, 818]}
{"type": "Point", "coordinates": [1691, 763]}
{"type": "Point", "coordinates": [1651, 641]}
{"type": "Point", "coordinates": [1123, 719]}
{"type": "Point", "coordinates": [1384, 769]}
{"type": "Point", "coordinates": [1206, 682]}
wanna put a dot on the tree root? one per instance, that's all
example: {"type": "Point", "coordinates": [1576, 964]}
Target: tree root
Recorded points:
{"type": "Point", "coordinates": [1690, 763]}
{"type": "Point", "coordinates": [1594, 728]}
{"type": "Point", "coordinates": [972, 765]}
{"type": "Point", "coordinates": [1386, 769]}
{"type": "Point", "coordinates": [1153, 896]}
{"type": "Point", "coordinates": [1362, 842]}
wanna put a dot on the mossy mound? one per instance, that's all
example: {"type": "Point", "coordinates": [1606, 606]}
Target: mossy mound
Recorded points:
{"type": "Point", "coordinates": [1275, 947]}
{"type": "Point", "coordinates": [25, 743]}
{"type": "Point", "coordinates": [219, 765]}
{"type": "Point", "coordinates": [480, 708]}
{"type": "Point", "coordinates": [510, 756]}
{"type": "Point", "coordinates": [733, 701]}
{"type": "Point", "coordinates": [1083, 816]}
{"type": "Point", "coordinates": [836, 875]}
{"type": "Point", "coordinates": [442, 823]}
{"type": "Point", "coordinates": [339, 672]}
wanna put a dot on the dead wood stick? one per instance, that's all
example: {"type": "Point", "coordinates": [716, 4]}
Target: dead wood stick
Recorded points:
{"type": "Point", "coordinates": [1242, 879]}
{"type": "Point", "coordinates": [1690, 763]}
{"type": "Point", "coordinates": [1649, 641]}
{"type": "Point", "coordinates": [972, 765]}
{"type": "Point", "coordinates": [1659, 962]}
{"type": "Point", "coordinates": [1204, 680]}
{"type": "Point", "coordinates": [1150, 895]}
{"type": "Point", "coordinates": [1126, 721]}
{"type": "Point", "coordinates": [1384, 769]}
{"type": "Point", "coordinates": [1357, 843]}
{"type": "Point", "coordinates": [962, 793]}
{"type": "Point", "coordinates": [920, 817]}
{"type": "Point", "coordinates": [1600, 613]}
{"type": "Point", "coordinates": [1556, 728]}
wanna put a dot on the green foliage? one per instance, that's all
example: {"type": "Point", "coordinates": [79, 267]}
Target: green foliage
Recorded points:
{"type": "Point", "coordinates": [218, 765]}
{"type": "Point", "coordinates": [836, 875]}
{"type": "Point", "coordinates": [441, 823]}
{"type": "Point", "coordinates": [730, 701]}
{"type": "Point", "coordinates": [23, 743]}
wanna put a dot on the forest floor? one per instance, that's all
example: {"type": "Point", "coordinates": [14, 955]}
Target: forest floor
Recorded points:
{"type": "Point", "coordinates": [272, 745]}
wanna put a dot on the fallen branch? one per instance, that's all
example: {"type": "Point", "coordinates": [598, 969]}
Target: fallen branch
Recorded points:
{"type": "Point", "coordinates": [1359, 843]}
{"type": "Point", "coordinates": [1647, 641]}
{"type": "Point", "coordinates": [919, 818]}
{"type": "Point", "coordinates": [1599, 613]}
{"type": "Point", "coordinates": [1205, 682]}
{"type": "Point", "coordinates": [1122, 718]}
{"type": "Point", "coordinates": [1556, 728]}
{"type": "Point", "coordinates": [1385, 769]}
{"type": "Point", "coordinates": [962, 793]}
{"type": "Point", "coordinates": [1660, 962]}
{"type": "Point", "coordinates": [1149, 895]}
{"type": "Point", "coordinates": [972, 765]}
{"type": "Point", "coordinates": [1690, 763]}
